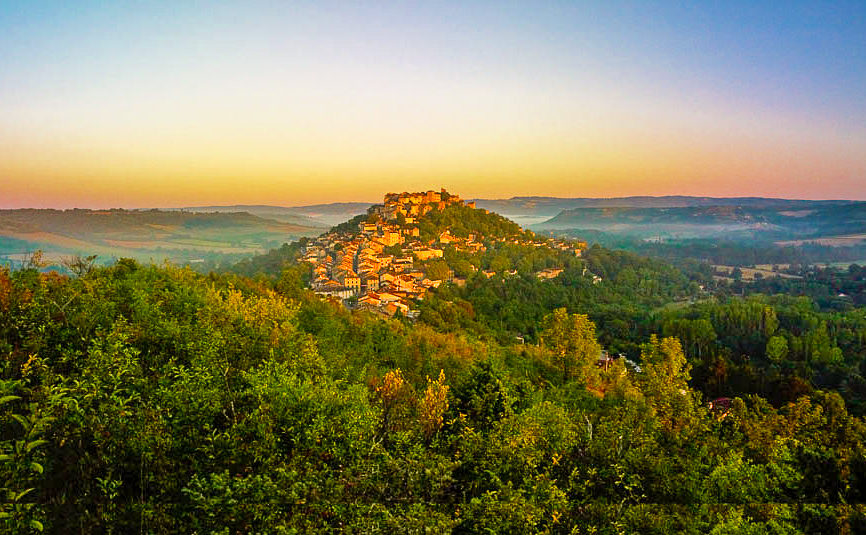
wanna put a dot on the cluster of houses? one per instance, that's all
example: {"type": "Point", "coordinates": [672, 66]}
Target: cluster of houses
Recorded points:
{"type": "Point", "coordinates": [379, 265]}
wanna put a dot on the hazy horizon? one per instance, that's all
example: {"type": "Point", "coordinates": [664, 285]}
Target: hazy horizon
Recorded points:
{"type": "Point", "coordinates": [379, 201]}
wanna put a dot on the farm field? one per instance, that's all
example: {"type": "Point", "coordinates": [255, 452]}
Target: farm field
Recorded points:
{"type": "Point", "coordinates": [751, 273]}
{"type": "Point", "coordinates": [833, 241]}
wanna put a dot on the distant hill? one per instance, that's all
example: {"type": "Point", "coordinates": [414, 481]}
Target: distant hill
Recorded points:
{"type": "Point", "coordinates": [333, 213]}
{"type": "Point", "coordinates": [315, 215]}
{"type": "Point", "coordinates": [532, 210]}
{"type": "Point", "coordinates": [177, 235]}
{"type": "Point", "coordinates": [276, 213]}
{"type": "Point", "coordinates": [769, 218]}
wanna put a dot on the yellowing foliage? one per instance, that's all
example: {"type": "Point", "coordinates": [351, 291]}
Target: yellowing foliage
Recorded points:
{"type": "Point", "coordinates": [270, 316]}
{"type": "Point", "coordinates": [433, 404]}
{"type": "Point", "coordinates": [392, 387]}
{"type": "Point", "coordinates": [5, 289]}
{"type": "Point", "coordinates": [398, 398]}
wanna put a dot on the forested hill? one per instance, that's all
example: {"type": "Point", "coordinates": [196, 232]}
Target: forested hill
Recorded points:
{"type": "Point", "coordinates": [462, 221]}
{"type": "Point", "coordinates": [804, 220]}
{"type": "Point", "coordinates": [154, 399]}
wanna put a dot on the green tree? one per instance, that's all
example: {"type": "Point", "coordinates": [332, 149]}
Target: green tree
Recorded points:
{"type": "Point", "coordinates": [571, 338]}
{"type": "Point", "coordinates": [777, 348]}
{"type": "Point", "coordinates": [438, 270]}
{"type": "Point", "coordinates": [664, 381]}
{"type": "Point", "coordinates": [21, 465]}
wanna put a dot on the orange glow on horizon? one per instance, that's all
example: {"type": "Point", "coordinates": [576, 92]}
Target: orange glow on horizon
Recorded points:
{"type": "Point", "coordinates": [102, 172]}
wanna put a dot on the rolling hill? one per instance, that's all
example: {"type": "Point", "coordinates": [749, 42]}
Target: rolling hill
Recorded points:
{"type": "Point", "coordinates": [785, 220]}
{"type": "Point", "coordinates": [316, 215]}
{"type": "Point", "coordinates": [144, 234]}
{"type": "Point", "coordinates": [536, 210]}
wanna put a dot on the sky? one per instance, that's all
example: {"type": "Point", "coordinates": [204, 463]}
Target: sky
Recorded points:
{"type": "Point", "coordinates": [143, 104]}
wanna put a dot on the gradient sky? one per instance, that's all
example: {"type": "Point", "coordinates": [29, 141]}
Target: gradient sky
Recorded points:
{"type": "Point", "coordinates": [135, 104]}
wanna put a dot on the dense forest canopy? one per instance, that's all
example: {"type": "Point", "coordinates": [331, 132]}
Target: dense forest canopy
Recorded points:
{"type": "Point", "coordinates": [141, 398]}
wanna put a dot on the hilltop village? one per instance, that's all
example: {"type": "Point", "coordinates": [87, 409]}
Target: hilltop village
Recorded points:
{"type": "Point", "coordinates": [382, 264]}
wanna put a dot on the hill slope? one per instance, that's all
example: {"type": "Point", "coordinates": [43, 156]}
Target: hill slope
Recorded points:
{"type": "Point", "coordinates": [803, 220]}
{"type": "Point", "coordinates": [315, 215]}
{"type": "Point", "coordinates": [538, 206]}
{"type": "Point", "coordinates": [142, 233]}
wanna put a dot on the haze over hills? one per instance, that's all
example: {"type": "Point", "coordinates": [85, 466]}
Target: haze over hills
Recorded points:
{"type": "Point", "coordinates": [525, 210]}
{"type": "Point", "coordinates": [760, 219]}
{"type": "Point", "coordinates": [144, 234]}
{"type": "Point", "coordinates": [321, 215]}
{"type": "Point", "coordinates": [276, 213]}
{"type": "Point", "coordinates": [185, 234]}
{"type": "Point", "coordinates": [537, 207]}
